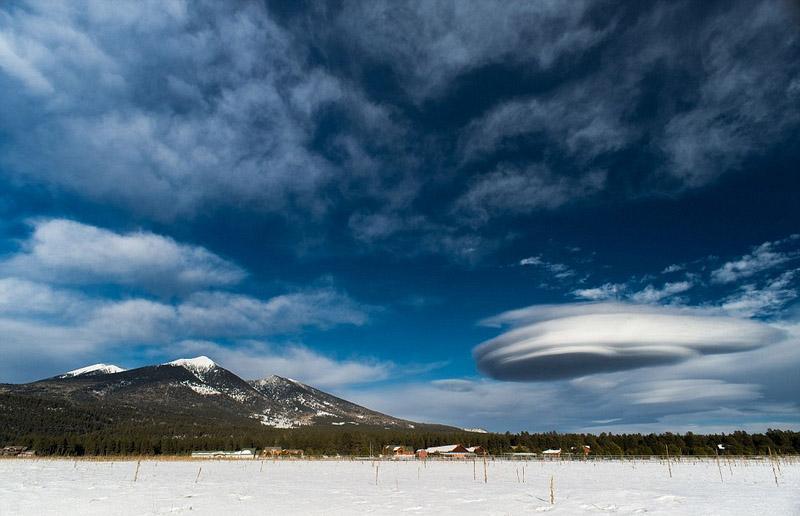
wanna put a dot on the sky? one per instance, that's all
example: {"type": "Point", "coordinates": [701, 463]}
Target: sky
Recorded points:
{"type": "Point", "coordinates": [570, 216]}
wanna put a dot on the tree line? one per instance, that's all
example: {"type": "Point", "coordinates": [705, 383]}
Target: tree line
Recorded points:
{"type": "Point", "coordinates": [54, 427]}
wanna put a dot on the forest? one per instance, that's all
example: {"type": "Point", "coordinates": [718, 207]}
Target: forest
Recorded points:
{"type": "Point", "coordinates": [52, 427]}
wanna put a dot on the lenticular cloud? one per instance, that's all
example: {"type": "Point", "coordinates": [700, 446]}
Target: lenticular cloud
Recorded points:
{"type": "Point", "coordinates": [565, 341]}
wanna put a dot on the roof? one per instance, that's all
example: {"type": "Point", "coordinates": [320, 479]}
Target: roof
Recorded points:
{"type": "Point", "coordinates": [552, 451]}
{"type": "Point", "coordinates": [449, 448]}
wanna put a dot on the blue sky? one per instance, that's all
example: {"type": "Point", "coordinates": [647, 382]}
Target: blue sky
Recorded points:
{"type": "Point", "coordinates": [521, 216]}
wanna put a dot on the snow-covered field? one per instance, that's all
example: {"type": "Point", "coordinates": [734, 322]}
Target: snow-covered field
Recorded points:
{"type": "Point", "coordinates": [63, 487]}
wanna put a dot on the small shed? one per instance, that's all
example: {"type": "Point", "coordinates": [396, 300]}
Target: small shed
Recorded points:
{"type": "Point", "coordinates": [552, 453]}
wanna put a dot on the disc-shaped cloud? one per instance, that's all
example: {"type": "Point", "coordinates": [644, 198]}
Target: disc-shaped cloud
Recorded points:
{"type": "Point", "coordinates": [551, 341]}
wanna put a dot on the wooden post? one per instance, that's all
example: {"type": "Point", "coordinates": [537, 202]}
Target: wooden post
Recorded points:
{"type": "Point", "coordinates": [136, 475]}
{"type": "Point", "coordinates": [772, 463]}
{"type": "Point", "coordinates": [552, 491]}
{"type": "Point", "coordinates": [198, 474]}
{"type": "Point", "coordinates": [669, 466]}
{"type": "Point", "coordinates": [716, 453]}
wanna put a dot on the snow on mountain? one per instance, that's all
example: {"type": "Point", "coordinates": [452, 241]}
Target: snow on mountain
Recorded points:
{"type": "Point", "coordinates": [93, 369]}
{"type": "Point", "coordinates": [196, 364]}
{"type": "Point", "coordinates": [476, 430]}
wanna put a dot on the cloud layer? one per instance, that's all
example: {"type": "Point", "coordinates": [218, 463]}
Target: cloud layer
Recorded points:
{"type": "Point", "coordinates": [568, 341]}
{"type": "Point", "coordinates": [57, 307]}
{"type": "Point", "coordinates": [168, 109]}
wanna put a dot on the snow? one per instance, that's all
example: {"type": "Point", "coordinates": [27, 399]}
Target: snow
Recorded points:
{"type": "Point", "coordinates": [253, 487]}
{"type": "Point", "coordinates": [196, 364]}
{"type": "Point", "coordinates": [442, 449]}
{"type": "Point", "coordinates": [278, 421]}
{"type": "Point", "coordinates": [200, 388]}
{"type": "Point", "coordinates": [476, 430]}
{"type": "Point", "coordinates": [102, 368]}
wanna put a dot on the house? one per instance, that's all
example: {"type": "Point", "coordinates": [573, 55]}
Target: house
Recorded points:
{"type": "Point", "coordinates": [477, 450]}
{"type": "Point", "coordinates": [552, 453]}
{"type": "Point", "coordinates": [271, 451]}
{"type": "Point", "coordinates": [396, 450]}
{"type": "Point", "coordinates": [456, 451]}
{"type": "Point", "coordinates": [247, 453]}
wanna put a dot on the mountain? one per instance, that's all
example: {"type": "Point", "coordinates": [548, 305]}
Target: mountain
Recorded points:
{"type": "Point", "coordinates": [198, 389]}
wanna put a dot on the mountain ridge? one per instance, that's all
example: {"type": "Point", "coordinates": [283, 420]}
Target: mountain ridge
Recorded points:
{"type": "Point", "coordinates": [199, 387]}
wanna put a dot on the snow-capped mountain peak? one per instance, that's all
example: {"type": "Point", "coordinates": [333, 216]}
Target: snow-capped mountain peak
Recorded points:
{"type": "Point", "coordinates": [93, 369]}
{"type": "Point", "coordinates": [196, 364]}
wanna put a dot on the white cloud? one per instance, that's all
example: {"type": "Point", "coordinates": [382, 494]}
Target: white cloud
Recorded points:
{"type": "Point", "coordinates": [431, 43]}
{"type": "Point", "coordinates": [513, 191]}
{"type": "Point", "coordinates": [46, 329]}
{"type": "Point", "coordinates": [254, 360]}
{"type": "Point", "coordinates": [166, 109]}
{"type": "Point", "coordinates": [690, 390]}
{"type": "Point", "coordinates": [574, 119]}
{"type": "Point", "coordinates": [650, 294]}
{"type": "Point", "coordinates": [605, 291]}
{"type": "Point", "coordinates": [23, 298]}
{"type": "Point", "coordinates": [531, 260]}
{"type": "Point", "coordinates": [762, 258]}
{"type": "Point", "coordinates": [750, 390]}
{"type": "Point", "coordinates": [64, 251]}
{"type": "Point", "coordinates": [14, 64]}
{"type": "Point", "coordinates": [563, 341]}
{"type": "Point", "coordinates": [751, 301]}
{"type": "Point", "coordinates": [558, 270]}
{"type": "Point", "coordinates": [221, 313]}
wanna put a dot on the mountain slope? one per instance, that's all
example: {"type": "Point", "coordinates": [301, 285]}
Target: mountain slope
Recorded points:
{"type": "Point", "coordinates": [199, 388]}
{"type": "Point", "coordinates": [297, 404]}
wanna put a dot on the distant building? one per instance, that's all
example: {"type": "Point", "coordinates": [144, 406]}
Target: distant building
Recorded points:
{"type": "Point", "coordinates": [277, 451]}
{"type": "Point", "coordinates": [397, 450]}
{"type": "Point", "coordinates": [13, 451]}
{"type": "Point", "coordinates": [552, 453]}
{"type": "Point", "coordinates": [477, 450]}
{"type": "Point", "coordinates": [247, 453]}
{"type": "Point", "coordinates": [271, 451]}
{"type": "Point", "coordinates": [456, 451]}
{"type": "Point", "coordinates": [584, 449]}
